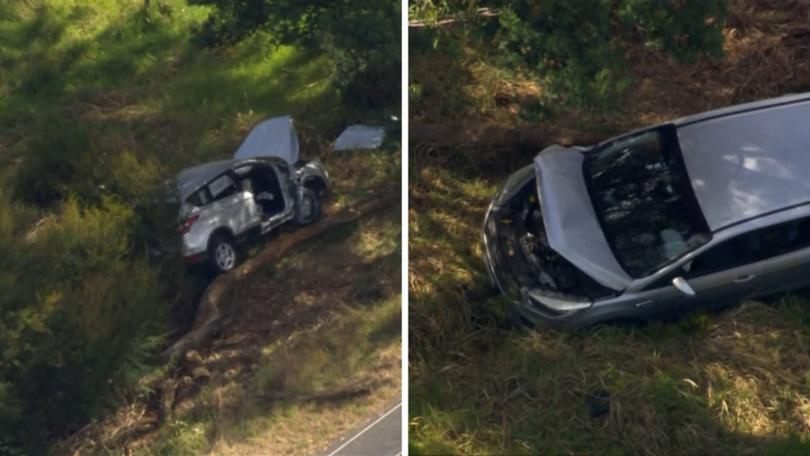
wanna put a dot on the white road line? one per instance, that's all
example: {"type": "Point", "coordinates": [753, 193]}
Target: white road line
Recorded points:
{"type": "Point", "coordinates": [364, 430]}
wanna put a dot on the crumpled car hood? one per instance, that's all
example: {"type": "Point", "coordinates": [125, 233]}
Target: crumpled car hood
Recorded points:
{"type": "Point", "coordinates": [571, 224]}
{"type": "Point", "coordinates": [274, 137]}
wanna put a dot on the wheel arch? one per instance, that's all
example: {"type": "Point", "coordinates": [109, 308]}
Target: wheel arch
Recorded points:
{"type": "Point", "coordinates": [317, 184]}
{"type": "Point", "coordinates": [221, 231]}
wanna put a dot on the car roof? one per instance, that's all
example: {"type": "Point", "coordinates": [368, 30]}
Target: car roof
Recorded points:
{"type": "Point", "coordinates": [191, 179]}
{"type": "Point", "coordinates": [750, 160]}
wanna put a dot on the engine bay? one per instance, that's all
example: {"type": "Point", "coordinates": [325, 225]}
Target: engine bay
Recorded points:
{"type": "Point", "coordinates": [528, 257]}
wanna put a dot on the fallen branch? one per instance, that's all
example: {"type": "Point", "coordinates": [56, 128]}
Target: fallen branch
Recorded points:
{"type": "Point", "coordinates": [480, 12]}
{"type": "Point", "coordinates": [210, 312]}
{"type": "Point", "coordinates": [338, 394]}
{"type": "Point", "coordinates": [458, 134]}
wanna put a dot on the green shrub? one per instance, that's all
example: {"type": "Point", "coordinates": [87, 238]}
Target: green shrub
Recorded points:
{"type": "Point", "coordinates": [578, 49]}
{"type": "Point", "coordinates": [362, 37]}
{"type": "Point", "coordinates": [76, 315]}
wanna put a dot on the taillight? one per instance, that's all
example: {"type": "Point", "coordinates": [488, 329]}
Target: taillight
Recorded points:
{"type": "Point", "coordinates": [185, 227]}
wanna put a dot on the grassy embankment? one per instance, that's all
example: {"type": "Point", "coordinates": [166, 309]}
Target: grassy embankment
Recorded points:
{"type": "Point", "coordinates": [727, 382]}
{"type": "Point", "coordinates": [99, 102]}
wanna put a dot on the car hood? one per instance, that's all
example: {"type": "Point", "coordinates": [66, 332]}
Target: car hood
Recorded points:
{"type": "Point", "coordinates": [274, 137]}
{"type": "Point", "coordinates": [571, 224]}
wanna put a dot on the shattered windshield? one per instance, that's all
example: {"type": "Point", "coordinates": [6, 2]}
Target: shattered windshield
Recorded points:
{"type": "Point", "coordinates": [646, 206]}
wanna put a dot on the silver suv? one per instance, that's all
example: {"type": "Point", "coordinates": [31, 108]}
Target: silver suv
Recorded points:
{"type": "Point", "coordinates": [226, 202]}
{"type": "Point", "coordinates": [703, 211]}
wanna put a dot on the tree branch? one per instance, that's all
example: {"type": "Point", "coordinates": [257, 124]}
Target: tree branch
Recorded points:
{"type": "Point", "coordinates": [480, 12]}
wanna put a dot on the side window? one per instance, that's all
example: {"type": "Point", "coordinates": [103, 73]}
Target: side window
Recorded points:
{"type": "Point", "coordinates": [751, 247]}
{"type": "Point", "coordinates": [746, 248]}
{"type": "Point", "coordinates": [199, 198]}
{"type": "Point", "coordinates": [799, 237]}
{"type": "Point", "coordinates": [221, 187]}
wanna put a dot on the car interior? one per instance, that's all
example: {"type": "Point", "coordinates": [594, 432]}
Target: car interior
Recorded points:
{"type": "Point", "coordinates": [262, 182]}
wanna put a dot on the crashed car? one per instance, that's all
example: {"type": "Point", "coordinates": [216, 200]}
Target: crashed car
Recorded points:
{"type": "Point", "coordinates": [224, 203]}
{"type": "Point", "coordinates": [703, 211]}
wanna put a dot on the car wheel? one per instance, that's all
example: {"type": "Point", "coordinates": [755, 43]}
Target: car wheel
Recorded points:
{"type": "Point", "coordinates": [308, 209]}
{"type": "Point", "coordinates": [223, 253]}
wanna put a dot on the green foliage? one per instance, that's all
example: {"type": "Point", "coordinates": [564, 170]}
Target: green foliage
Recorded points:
{"type": "Point", "coordinates": [76, 314]}
{"type": "Point", "coordinates": [100, 102]}
{"type": "Point", "coordinates": [579, 49]}
{"type": "Point", "coordinates": [794, 445]}
{"type": "Point", "coordinates": [53, 163]}
{"type": "Point", "coordinates": [430, 12]}
{"type": "Point", "coordinates": [361, 37]}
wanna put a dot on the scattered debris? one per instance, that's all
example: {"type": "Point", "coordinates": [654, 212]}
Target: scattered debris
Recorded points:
{"type": "Point", "coordinates": [360, 137]}
{"type": "Point", "coordinates": [598, 403]}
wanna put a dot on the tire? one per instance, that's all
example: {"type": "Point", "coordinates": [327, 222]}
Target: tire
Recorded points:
{"type": "Point", "coordinates": [222, 253]}
{"type": "Point", "coordinates": [308, 209]}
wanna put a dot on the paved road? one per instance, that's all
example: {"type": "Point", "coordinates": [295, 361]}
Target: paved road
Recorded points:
{"type": "Point", "coordinates": [381, 436]}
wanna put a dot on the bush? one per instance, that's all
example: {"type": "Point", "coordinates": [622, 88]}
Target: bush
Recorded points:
{"type": "Point", "coordinates": [76, 314]}
{"type": "Point", "coordinates": [362, 37]}
{"type": "Point", "coordinates": [578, 48]}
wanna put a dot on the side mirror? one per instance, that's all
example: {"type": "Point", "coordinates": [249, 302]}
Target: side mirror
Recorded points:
{"type": "Point", "coordinates": [683, 286]}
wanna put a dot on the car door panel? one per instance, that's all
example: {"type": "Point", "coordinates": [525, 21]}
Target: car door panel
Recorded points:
{"type": "Point", "coordinates": [236, 209]}
{"type": "Point", "coordinates": [285, 214]}
{"type": "Point", "coordinates": [726, 287]}
{"type": "Point", "coordinates": [786, 272]}
{"type": "Point", "coordinates": [719, 276]}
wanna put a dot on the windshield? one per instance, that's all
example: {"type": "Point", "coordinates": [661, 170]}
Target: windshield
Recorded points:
{"type": "Point", "coordinates": [646, 206]}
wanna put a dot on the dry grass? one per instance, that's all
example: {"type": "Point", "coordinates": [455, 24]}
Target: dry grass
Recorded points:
{"type": "Point", "coordinates": [736, 381]}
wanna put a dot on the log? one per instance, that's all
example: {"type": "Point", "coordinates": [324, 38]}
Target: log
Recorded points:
{"type": "Point", "coordinates": [352, 391]}
{"type": "Point", "coordinates": [211, 311]}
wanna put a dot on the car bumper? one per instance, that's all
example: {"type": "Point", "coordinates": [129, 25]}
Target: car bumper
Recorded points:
{"type": "Point", "coordinates": [522, 305]}
{"type": "Point", "coordinates": [193, 250]}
